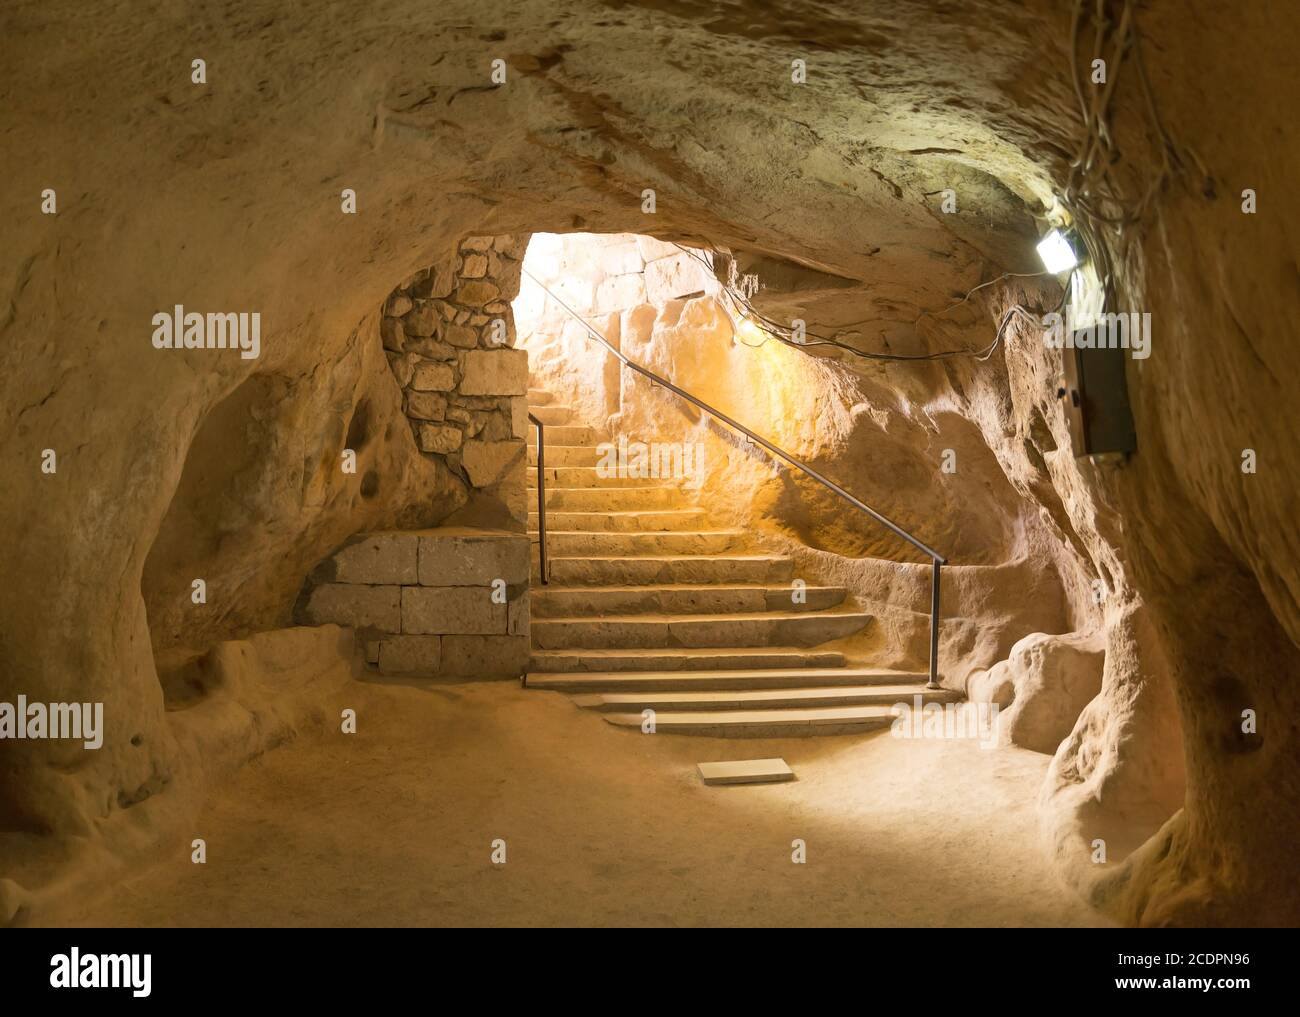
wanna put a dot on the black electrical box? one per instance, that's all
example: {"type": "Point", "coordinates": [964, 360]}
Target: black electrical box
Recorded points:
{"type": "Point", "coordinates": [1096, 399]}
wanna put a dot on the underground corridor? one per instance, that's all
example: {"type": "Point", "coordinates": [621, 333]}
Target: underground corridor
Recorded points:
{"type": "Point", "coordinates": [650, 464]}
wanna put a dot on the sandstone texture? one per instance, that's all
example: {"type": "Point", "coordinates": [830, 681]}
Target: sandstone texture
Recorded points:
{"type": "Point", "coordinates": [1176, 569]}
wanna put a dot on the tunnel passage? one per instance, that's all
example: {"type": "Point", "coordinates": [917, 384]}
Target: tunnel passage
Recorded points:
{"type": "Point", "coordinates": [1177, 555]}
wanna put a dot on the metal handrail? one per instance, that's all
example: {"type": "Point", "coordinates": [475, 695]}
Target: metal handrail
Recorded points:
{"type": "Point", "coordinates": [937, 560]}
{"type": "Point", "coordinates": [541, 497]}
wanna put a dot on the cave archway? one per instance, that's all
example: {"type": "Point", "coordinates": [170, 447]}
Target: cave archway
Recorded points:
{"type": "Point", "coordinates": [206, 200]}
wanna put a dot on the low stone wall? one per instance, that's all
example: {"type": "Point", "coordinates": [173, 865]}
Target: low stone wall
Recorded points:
{"type": "Point", "coordinates": [448, 332]}
{"type": "Point", "coordinates": [446, 602]}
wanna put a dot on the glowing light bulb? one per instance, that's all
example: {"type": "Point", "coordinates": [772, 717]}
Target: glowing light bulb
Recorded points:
{"type": "Point", "coordinates": [749, 334]}
{"type": "Point", "coordinates": [1057, 254]}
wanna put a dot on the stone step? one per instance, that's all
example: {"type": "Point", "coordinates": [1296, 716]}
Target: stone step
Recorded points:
{"type": "Point", "coordinates": [620, 570]}
{"type": "Point", "coordinates": [597, 668]}
{"type": "Point", "coordinates": [609, 499]}
{"type": "Point", "coordinates": [581, 445]}
{"type": "Point", "coordinates": [575, 601]}
{"type": "Point", "coordinates": [567, 454]}
{"type": "Point", "coordinates": [619, 521]}
{"type": "Point", "coordinates": [539, 397]}
{"type": "Point", "coordinates": [560, 436]}
{"type": "Point", "coordinates": [595, 570]}
{"type": "Point", "coordinates": [766, 675]}
{"type": "Point", "coordinates": [687, 630]}
{"type": "Point", "coordinates": [574, 543]}
{"type": "Point", "coordinates": [764, 723]}
{"type": "Point", "coordinates": [763, 699]}
{"type": "Point", "coordinates": [559, 475]}
{"type": "Point", "coordinates": [745, 771]}
{"type": "Point", "coordinates": [551, 414]}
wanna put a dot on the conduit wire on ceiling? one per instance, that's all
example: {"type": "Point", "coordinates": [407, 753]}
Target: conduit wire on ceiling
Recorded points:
{"type": "Point", "coordinates": [743, 308]}
{"type": "Point", "coordinates": [1092, 195]}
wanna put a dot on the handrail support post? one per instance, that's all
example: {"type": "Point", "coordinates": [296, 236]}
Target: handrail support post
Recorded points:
{"type": "Point", "coordinates": [541, 498]}
{"type": "Point", "coordinates": [935, 567]}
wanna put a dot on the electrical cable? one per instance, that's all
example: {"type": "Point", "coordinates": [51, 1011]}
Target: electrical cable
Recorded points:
{"type": "Point", "coordinates": [784, 334]}
{"type": "Point", "coordinates": [1092, 194]}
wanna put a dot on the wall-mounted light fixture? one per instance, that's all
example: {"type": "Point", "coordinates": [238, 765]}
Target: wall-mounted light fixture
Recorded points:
{"type": "Point", "coordinates": [1060, 251]}
{"type": "Point", "coordinates": [749, 333]}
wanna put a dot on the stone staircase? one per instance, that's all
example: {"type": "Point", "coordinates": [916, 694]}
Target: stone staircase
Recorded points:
{"type": "Point", "coordinates": [649, 608]}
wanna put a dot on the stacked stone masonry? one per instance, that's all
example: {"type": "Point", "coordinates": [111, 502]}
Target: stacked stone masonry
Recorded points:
{"type": "Point", "coordinates": [448, 602]}
{"type": "Point", "coordinates": [448, 333]}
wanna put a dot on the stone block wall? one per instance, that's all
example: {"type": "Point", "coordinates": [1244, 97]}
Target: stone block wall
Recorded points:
{"type": "Point", "coordinates": [447, 602]}
{"type": "Point", "coordinates": [449, 333]}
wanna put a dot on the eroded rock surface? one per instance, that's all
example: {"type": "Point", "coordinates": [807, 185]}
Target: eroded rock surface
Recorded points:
{"type": "Point", "coordinates": [177, 465]}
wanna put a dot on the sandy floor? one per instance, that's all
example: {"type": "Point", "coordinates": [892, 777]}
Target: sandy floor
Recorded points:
{"type": "Point", "coordinates": [394, 825]}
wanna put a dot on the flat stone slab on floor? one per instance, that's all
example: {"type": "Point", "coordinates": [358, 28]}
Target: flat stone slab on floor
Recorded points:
{"type": "Point", "coordinates": [746, 771]}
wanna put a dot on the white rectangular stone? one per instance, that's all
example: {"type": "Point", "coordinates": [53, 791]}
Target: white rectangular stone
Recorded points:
{"type": "Point", "coordinates": [746, 771]}
{"type": "Point", "coordinates": [575, 291]}
{"type": "Point", "coordinates": [619, 292]}
{"type": "Point", "coordinates": [621, 259]}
